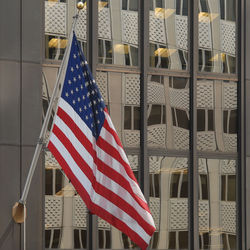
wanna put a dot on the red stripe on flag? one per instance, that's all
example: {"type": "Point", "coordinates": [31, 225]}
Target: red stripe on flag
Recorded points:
{"type": "Point", "coordinates": [113, 174]}
{"type": "Point", "coordinates": [99, 211]}
{"type": "Point", "coordinates": [117, 139]}
{"type": "Point", "coordinates": [98, 187]}
{"type": "Point", "coordinates": [76, 130]}
{"type": "Point", "coordinates": [78, 186]}
{"type": "Point", "coordinates": [104, 168]}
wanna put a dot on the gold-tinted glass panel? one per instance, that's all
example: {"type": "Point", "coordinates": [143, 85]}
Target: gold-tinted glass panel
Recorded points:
{"type": "Point", "coordinates": [168, 25]}
{"type": "Point", "coordinates": [118, 32]}
{"type": "Point", "coordinates": [169, 201]}
{"type": "Point", "coordinates": [217, 203]}
{"type": "Point", "coordinates": [217, 34]}
{"type": "Point", "coordinates": [216, 115]}
{"type": "Point", "coordinates": [168, 112]}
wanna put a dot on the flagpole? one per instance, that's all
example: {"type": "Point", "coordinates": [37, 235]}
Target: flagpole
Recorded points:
{"type": "Point", "coordinates": [19, 207]}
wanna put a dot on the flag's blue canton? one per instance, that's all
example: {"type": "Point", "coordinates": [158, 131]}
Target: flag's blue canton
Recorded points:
{"type": "Point", "coordinates": [81, 91]}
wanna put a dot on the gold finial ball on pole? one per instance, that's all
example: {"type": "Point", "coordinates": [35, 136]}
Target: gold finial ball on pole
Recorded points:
{"type": "Point", "coordinates": [80, 5]}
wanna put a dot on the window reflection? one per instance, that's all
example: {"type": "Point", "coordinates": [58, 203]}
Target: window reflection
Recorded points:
{"type": "Point", "coordinates": [168, 112]}
{"type": "Point", "coordinates": [229, 241]}
{"type": "Point", "coordinates": [168, 34]}
{"type": "Point", "coordinates": [104, 51]}
{"type": "Point", "coordinates": [55, 47]}
{"type": "Point", "coordinates": [132, 117]}
{"type": "Point", "coordinates": [217, 212]}
{"type": "Point", "coordinates": [130, 107]}
{"type": "Point", "coordinates": [118, 32]}
{"type": "Point", "coordinates": [217, 36]}
{"type": "Point", "coordinates": [169, 201]}
{"type": "Point", "coordinates": [216, 115]}
{"type": "Point", "coordinates": [80, 238]}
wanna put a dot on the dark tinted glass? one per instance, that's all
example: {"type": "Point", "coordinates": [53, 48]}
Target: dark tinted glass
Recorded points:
{"type": "Point", "coordinates": [155, 115]}
{"type": "Point", "coordinates": [183, 239]}
{"type": "Point", "coordinates": [231, 188]}
{"type": "Point", "coordinates": [127, 117]}
{"type": "Point", "coordinates": [136, 118]}
{"type": "Point", "coordinates": [184, 186]}
{"type": "Point", "coordinates": [200, 120]}
{"type": "Point", "coordinates": [58, 180]}
{"type": "Point", "coordinates": [48, 181]}
{"type": "Point", "coordinates": [210, 120]}
{"type": "Point", "coordinates": [182, 119]}
{"type": "Point", "coordinates": [174, 185]}
{"type": "Point", "coordinates": [172, 240]}
{"type": "Point", "coordinates": [47, 238]}
{"type": "Point", "coordinates": [56, 238]}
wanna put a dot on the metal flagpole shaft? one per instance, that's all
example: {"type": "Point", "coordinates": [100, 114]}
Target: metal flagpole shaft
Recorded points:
{"type": "Point", "coordinates": [39, 145]}
{"type": "Point", "coordinates": [18, 212]}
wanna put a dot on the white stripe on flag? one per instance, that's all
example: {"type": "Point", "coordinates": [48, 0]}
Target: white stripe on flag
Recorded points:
{"type": "Point", "coordinates": [100, 153]}
{"type": "Point", "coordinates": [96, 198]}
{"type": "Point", "coordinates": [100, 177]}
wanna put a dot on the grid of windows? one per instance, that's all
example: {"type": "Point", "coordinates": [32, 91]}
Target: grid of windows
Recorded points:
{"type": "Point", "coordinates": [168, 108]}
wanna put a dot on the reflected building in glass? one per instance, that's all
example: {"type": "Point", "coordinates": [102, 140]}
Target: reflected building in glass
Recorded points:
{"type": "Point", "coordinates": [174, 77]}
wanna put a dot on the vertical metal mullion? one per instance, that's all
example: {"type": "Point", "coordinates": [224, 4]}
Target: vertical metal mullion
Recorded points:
{"type": "Point", "coordinates": [241, 169]}
{"type": "Point", "coordinates": [92, 50]}
{"type": "Point", "coordinates": [193, 219]}
{"type": "Point", "coordinates": [144, 65]}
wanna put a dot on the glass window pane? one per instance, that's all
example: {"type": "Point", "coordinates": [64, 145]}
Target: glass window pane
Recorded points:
{"type": "Point", "coordinates": [47, 238]}
{"type": "Point", "coordinates": [180, 83]}
{"type": "Point", "coordinates": [210, 120]}
{"type": "Point", "coordinates": [57, 29]}
{"type": "Point", "coordinates": [231, 188]}
{"type": "Point", "coordinates": [133, 5]}
{"type": "Point", "coordinates": [124, 4]}
{"type": "Point", "coordinates": [118, 28]}
{"type": "Point", "coordinates": [168, 112]}
{"type": "Point", "coordinates": [184, 186]}
{"type": "Point", "coordinates": [232, 241]}
{"type": "Point", "coordinates": [182, 119]}
{"type": "Point", "coordinates": [101, 238]}
{"type": "Point", "coordinates": [200, 120]}
{"type": "Point", "coordinates": [108, 239]}
{"type": "Point", "coordinates": [223, 187]}
{"type": "Point", "coordinates": [170, 207]}
{"type": "Point", "coordinates": [127, 117]}
{"type": "Point", "coordinates": [48, 182]}
{"type": "Point", "coordinates": [174, 185]}
{"type": "Point", "coordinates": [183, 239]}
{"type": "Point", "coordinates": [204, 186]}
{"type": "Point", "coordinates": [155, 115]}
{"type": "Point", "coordinates": [56, 238]}
{"type": "Point", "coordinates": [225, 121]}
{"type": "Point", "coordinates": [217, 215]}
{"type": "Point", "coordinates": [173, 117]}
{"type": "Point", "coordinates": [58, 181]}
{"type": "Point", "coordinates": [172, 240]}
{"type": "Point", "coordinates": [76, 239]}
{"type": "Point", "coordinates": [125, 91]}
{"type": "Point", "coordinates": [137, 118]}
{"type": "Point", "coordinates": [233, 122]}
{"type": "Point", "coordinates": [217, 115]}
{"type": "Point", "coordinates": [217, 41]}
{"type": "Point", "coordinates": [168, 25]}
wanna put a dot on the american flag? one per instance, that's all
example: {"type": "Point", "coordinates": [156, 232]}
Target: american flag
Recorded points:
{"type": "Point", "coordinates": [84, 142]}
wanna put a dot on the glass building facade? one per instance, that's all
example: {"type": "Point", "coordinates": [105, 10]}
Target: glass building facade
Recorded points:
{"type": "Point", "coordinates": [174, 77]}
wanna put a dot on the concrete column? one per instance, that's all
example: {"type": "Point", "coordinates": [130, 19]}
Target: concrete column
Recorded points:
{"type": "Point", "coordinates": [21, 32]}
